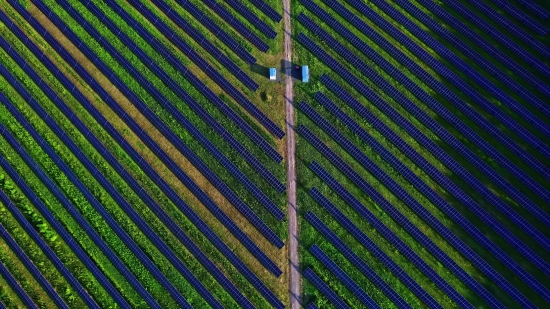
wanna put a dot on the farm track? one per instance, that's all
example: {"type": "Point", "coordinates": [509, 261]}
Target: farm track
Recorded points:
{"type": "Point", "coordinates": [294, 275]}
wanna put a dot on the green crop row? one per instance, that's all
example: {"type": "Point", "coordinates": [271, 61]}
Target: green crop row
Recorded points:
{"type": "Point", "coordinates": [191, 229]}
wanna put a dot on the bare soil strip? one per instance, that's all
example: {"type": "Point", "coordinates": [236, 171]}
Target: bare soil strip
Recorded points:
{"type": "Point", "coordinates": [295, 281]}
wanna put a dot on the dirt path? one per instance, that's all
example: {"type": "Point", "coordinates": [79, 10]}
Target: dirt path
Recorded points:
{"type": "Point", "coordinates": [294, 276]}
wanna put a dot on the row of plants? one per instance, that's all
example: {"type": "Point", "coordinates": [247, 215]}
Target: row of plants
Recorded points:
{"type": "Point", "coordinates": [305, 92]}
{"type": "Point", "coordinates": [179, 218]}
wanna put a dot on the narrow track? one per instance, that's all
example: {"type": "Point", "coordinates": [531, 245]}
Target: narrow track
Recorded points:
{"type": "Point", "coordinates": [294, 277]}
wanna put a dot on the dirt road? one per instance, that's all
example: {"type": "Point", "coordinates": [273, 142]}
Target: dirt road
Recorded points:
{"type": "Point", "coordinates": [295, 281]}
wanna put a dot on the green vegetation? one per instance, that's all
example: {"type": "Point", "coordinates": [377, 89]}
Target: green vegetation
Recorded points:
{"type": "Point", "coordinates": [168, 119]}
{"type": "Point", "coordinates": [245, 286]}
{"type": "Point", "coordinates": [269, 98]}
{"type": "Point", "coordinates": [307, 179]}
{"type": "Point", "coordinates": [22, 275]}
{"type": "Point", "coordinates": [274, 45]}
{"type": "Point", "coordinates": [8, 296]}
{"type": "Point", "coordinates": [74, 195]}
{"type": "Point", "coordinates": [31, 248]}
{"type": "Point", "coordinates": [274, 105]}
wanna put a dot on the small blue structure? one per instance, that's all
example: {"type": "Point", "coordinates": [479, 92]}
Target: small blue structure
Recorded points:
{"type": "Point", "coordinates": [305, 74]}
{"type": "Point", "coordinates": [272, 74]}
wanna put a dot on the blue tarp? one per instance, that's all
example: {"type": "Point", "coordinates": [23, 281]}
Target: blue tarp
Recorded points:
{"type": "Point", "coordinates": [305, 73]}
